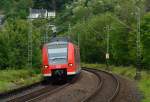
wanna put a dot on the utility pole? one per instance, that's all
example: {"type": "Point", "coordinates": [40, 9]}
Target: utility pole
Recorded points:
{"type": "Point", "coordinates": [78, 40]}
{"type": "Point", "coordinates": [108, 28]}
{"type": "Point", "coordinates": [30, 42]}
{"type": "Point", "coordinates": [69, 30]}
{"type": "Point", "coordinates": [54, 29]}
{"type": "Point", "coordinates": [138, 42]}
{"type": "Point", "coordinates": [49, 24]}
{"type": "Point", "coordinates": [46, 31]}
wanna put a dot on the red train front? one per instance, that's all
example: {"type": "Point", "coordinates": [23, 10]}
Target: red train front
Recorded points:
{"type": "Point", "coordinates": [61, 59]}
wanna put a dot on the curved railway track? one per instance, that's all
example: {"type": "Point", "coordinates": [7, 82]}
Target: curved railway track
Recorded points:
{"type": "Point", "coordinates": [103, 79]}
{"type": "Point", "coordinates": [102, 85]}
{"type": "Point", "coordinates": [99, 85]}
{"type": "Point", "coordinates": [46, 94]}
{"type": "Point", "coordinates": [18, 90]}
{"type": "Point", "coordinates": [30, 92]}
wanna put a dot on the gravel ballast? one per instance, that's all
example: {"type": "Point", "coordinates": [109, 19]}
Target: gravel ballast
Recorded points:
{"type": "Point", "coordinates": [77, 91]}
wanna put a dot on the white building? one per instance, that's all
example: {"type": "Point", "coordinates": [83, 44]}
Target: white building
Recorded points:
{"type": "Point", "coordinates": [41, 13]}
{"type": "Point", "coordinates": [51, 14]}
{"type": "Point", "coordinates": [1, 20]}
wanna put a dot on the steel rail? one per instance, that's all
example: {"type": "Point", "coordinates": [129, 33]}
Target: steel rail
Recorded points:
{"type": "Point", "coordinates": [36, 95]}
{"type": "Point", "coordinates": [18, 90]}
{"type": "Point", "coordinates": [99, 85]}
{"type": "Point", "coordinates": [46, 91]}
{"type": "Point", "coordinates": [35, 99]}
{"type": "Point", "coordinates": [109, 73]}
{"type": "Point", "coordinates": [46, 94]}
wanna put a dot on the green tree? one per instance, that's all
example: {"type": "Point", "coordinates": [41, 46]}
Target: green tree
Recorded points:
{"type": "Point", "coordinates": [145, 31]}
{"type": "Point", "coordinates": [3, 51]}
{"type": "Point", "coordinates": [119, 44]}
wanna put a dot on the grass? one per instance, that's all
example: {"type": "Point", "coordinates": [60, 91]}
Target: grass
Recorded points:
{"type": "Point", "coordinates": [129, 72]}
{"type": "Point", "coordinates": [144, 86]}
{"type": "Point", "coordinates": [12, 79]}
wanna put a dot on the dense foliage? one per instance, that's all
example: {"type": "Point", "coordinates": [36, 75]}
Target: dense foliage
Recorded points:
{"type": "Point", "coordinates": [88, 20]}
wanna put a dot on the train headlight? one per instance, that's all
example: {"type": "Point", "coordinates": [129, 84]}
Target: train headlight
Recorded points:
{"type": "Point", "coordinates": [70, 64]}
{"type": "Point", "coordinates": [45, 66]}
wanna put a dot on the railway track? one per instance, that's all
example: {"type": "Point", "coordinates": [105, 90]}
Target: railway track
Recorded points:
{"type": "Point", "coordinates": [102, 86]}
{"type": "Point", "coordinates": [46, 94]}
{"type": "Point", "coordinates": [50, 90]}
{"type": "Point", "coordinates": [29, 93]}
{"type": "Point", "coordinates": [18, 90]}
{"type": "Point", "coordinates": [99, 85]}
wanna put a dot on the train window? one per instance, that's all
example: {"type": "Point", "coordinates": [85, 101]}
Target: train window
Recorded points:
{"type": "Point", "coordinates": [57, 55]}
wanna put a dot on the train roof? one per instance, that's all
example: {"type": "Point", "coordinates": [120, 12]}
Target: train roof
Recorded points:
{"type": "Point", "coordinates": [59, 40]}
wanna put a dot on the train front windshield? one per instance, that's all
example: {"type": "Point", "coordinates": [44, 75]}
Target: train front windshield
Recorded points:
{"type": "Point", "coordinates": [57, 54]}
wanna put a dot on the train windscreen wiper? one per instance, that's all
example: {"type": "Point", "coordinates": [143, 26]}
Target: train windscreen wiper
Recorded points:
{"type": "Point", "coordinates": [54, 58]}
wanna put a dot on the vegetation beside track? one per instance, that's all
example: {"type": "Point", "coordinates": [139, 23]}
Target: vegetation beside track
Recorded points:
{"type": "Point", "coordinates": [129, 72]}
{"type": "Point", "coordinates": [12, 79]}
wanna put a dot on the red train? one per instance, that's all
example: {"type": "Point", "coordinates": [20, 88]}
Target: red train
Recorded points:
{"type": "Point", "coordinates": [61, 59]}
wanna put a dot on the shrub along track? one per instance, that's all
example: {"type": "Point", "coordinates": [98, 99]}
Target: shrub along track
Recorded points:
{"type": "Point", "coordinates": [92, 86]}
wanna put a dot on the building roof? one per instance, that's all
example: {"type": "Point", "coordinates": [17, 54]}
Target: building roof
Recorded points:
{"type": "Point", "coordinates": [1, 20]}
{"type": "Point", "coordinates": [60, 39]}
{"type": "Point", "coordinates": [1, 16]}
